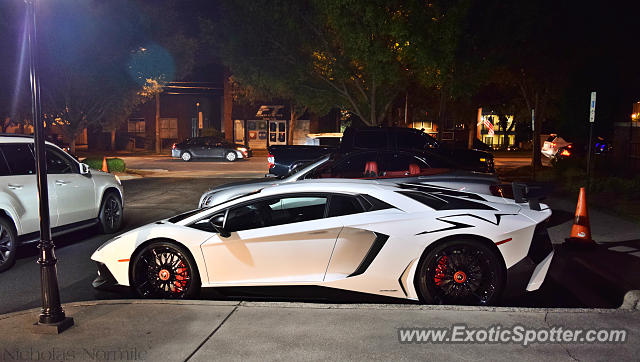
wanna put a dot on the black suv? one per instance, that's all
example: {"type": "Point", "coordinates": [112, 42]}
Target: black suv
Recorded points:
{"type": "Point", "coordinates": [397, 138]}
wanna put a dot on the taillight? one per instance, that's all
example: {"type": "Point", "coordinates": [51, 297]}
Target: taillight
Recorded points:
{"type": "Point", "coordinates": [565, 153]}
{"type": "Point", "coordinates": [173, 147]}
{"type": "Point", "coordinates": [496, 190]}
{"type": "Point", "coordinates": [271, 161]}
{"type": "Point", "coordinates": [570, 146]}
{"type": "Point", "coordinates": [502, 190]}
{"type": "Point", "coordinates": [553, 145]}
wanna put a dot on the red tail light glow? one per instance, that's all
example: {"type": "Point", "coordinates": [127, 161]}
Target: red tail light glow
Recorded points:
{"type": "Point", "coordinates": [496, 190]}
{"type": "Point", "coordinates": [565, 153]}
{"type": "Point", "coordinates": [271, 161]}
{"type": "Point", "coordinates": [173, 147]}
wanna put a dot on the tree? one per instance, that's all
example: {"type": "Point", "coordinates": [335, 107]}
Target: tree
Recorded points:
{"type": "Point", "coordinates": [525, 48]}
{"type": "Point", "coordinates": [318, 54]}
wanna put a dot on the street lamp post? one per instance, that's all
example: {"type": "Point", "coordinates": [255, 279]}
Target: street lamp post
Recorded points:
{"type": "Point", "coordinates": [52, 318]}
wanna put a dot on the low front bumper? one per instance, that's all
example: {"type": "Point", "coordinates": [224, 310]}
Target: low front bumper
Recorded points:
{"type": "Point", "coordinates": [529, 273]}
{"type": "Point", "coordinates": [175, 153]}
{"type": "Point", "coordinates": [104, 280]}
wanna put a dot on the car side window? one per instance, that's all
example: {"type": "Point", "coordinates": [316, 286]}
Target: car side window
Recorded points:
{"type": "Point", "coordinates": [58, 163]}
{"type": "Point", "coordinates": [20, 158]}
{"type": "Point", "coordinates": [400, 162]}
{"type": "Point", "coordinates": [340, 205]}
{"type": "Point", "coordinates": [371, 139]}
{"type": "Point", "coordinates": [411, 141]}
{"type": "Point", "coordinates": [275, 211]}
{"type": "Point", "coordinates": [353, 166]}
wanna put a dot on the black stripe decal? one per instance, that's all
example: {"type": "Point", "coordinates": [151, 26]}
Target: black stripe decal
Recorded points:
{"type": "Point", "coordinates": [375, 248]}
{"type": "Point", "coordinates": [400, 280]}
{"type": "Point", "coordinates": [459, 225]}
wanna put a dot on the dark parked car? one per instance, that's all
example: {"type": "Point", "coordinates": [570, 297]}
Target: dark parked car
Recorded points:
{"type": "Point", "coordinates": [577, 151]}
{"type": "Point", "coordinates": [410, 139]}
{"type": "Point", "coordinates": [283, 159]}
{"type": "Point", "coordinates": [209, 147]}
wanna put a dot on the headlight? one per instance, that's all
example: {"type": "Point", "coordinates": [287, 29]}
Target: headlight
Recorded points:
{"type": "Point", "coordinates": [482, 159]}
{"type": "Point", "coordinates": [242, 149]}
{"type": "Point", "coordinates": [117, 179]}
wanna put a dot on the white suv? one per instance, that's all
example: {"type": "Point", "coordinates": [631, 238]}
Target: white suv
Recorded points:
{"type": "Point", "coordinates": [78, 198]}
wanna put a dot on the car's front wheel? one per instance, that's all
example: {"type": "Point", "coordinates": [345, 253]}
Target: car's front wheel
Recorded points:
{"type": "Point", "coordinates": [463, 271]}
{"type": "Point", "coordinates": [231, 156]}
{"type": "Point", "coordinates": [7, 244]}
{"type": "Point", "coordinates": [164, 270]}
{"type": "Point", "coordinates": [110, 215]}
{"type": "Point", "coordinates": [186, 156]}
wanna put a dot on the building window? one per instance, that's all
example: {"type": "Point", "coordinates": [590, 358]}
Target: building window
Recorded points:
{"type": "Point", "coordinates": [136, 126]}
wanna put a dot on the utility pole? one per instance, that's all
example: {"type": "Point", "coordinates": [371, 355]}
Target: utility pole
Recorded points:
{"type": "Point", "coordinates": [158, 140]}
{"type": "Point", "coordinates": [52, 319]}
{"type": "Point", "coordinates": [533, 142]}
{"type": "Point", "coordinates": [592, 119]}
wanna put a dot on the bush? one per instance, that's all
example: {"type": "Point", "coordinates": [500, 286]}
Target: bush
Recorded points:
{"type": "Point", "coordinates": [114, 164]}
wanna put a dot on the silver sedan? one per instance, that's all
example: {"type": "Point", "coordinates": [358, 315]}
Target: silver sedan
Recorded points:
{"type": "Point", "coordinates": [385, 166]}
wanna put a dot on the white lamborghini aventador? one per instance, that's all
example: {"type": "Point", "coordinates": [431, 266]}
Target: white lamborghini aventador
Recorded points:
{"type": "Point", "coordinates": [407, 241]}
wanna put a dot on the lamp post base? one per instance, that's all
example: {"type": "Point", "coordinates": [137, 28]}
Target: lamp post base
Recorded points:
{"type": "Point", "coordinates": [52, 328]}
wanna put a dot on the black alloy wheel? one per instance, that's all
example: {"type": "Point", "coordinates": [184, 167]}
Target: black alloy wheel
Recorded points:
{"type": "Point", "coordinates": [164, 270]}
{"type": "Point", "coordinates": [110, 213]}
{"type": "Point", "coordinates": [7, 244]}
{"type": "Point", "coordinates": [463, 272]}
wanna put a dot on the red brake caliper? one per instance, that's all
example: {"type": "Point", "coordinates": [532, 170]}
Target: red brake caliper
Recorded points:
{"type": "Point", "coordinates": [441, 268]}
{"type": "Point", "coordinates": [181, 278]}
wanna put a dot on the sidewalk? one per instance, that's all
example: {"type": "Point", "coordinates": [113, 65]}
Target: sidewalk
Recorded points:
{"type": "Point", "coordinates": [210, 330]}
{"type": "Point", "coordinates": [599, 275]}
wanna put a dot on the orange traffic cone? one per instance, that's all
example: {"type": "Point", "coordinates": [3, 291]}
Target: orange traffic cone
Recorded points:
{"type": "Point", "coordinates": [581, 231]}
{"type": "Point", "coordinates": [105, 168]}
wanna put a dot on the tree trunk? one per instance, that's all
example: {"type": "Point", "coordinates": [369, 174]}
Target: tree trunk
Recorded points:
{"type": "Point", "coordinates": [472, 134]}
{"type": "Point", "coordinates": [442, 112]}
{"type": "Point", "coordinates": [158, 123]}
{"type": "Point", "coordinates": [112, 147]}
{"type": "Point", "coordinates": [292, 122]}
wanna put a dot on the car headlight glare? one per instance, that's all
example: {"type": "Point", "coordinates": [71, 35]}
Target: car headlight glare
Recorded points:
{"type": "Point", "coordinates": [242, 149]}
{"type": "Point", "coordinates": [117, 179]}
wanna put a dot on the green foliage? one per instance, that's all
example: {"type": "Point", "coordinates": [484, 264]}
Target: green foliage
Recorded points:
{"type": "Point", "coordinates": [312, 52]}
{"type": "Point", "coordinates": [114, 164]}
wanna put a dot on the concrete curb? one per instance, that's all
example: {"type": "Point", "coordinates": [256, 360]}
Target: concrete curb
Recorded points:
{"type": "Point", "coordinates": [297, 305]}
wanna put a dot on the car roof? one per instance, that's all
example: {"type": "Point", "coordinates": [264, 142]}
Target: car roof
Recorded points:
{"type": "Point", "coordinates": [19, 138]}
{"type": "Point", "coordinates": [15, 138]}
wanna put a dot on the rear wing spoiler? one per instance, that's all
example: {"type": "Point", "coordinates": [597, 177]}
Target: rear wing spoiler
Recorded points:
{"type": "Point", "coordinates": [530, 193]}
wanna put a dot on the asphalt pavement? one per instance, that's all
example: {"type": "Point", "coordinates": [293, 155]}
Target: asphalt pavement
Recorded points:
{"type": "Point", "coordinates": [146, 200]}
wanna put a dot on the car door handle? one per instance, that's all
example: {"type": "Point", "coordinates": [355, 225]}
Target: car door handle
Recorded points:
{"type": "Point", "coordinates": [61, 183]}
{"type": "Point", "coordinates": [15, 187]}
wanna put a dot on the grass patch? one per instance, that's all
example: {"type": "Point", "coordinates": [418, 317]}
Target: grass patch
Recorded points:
{"type": "Point", "coordinates": [114, 164]}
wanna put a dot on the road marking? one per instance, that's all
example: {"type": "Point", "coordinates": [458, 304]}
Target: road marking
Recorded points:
{"type": "Point", "coordinates": [637, 253]}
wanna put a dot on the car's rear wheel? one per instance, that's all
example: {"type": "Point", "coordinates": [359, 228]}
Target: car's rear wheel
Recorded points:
{"type": "Point", "coordinates": [186, 156]}
{"type": "Point", "coordinates": [231, 156]}
{"type": "Point", "coordinates": [164, 270]}
{"type": "Point", "coordinates": [110, 215]}
{"type": "Point", "coordinates": [464, 271]}
{"type": "Point", "coordinates": [8, 239]}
